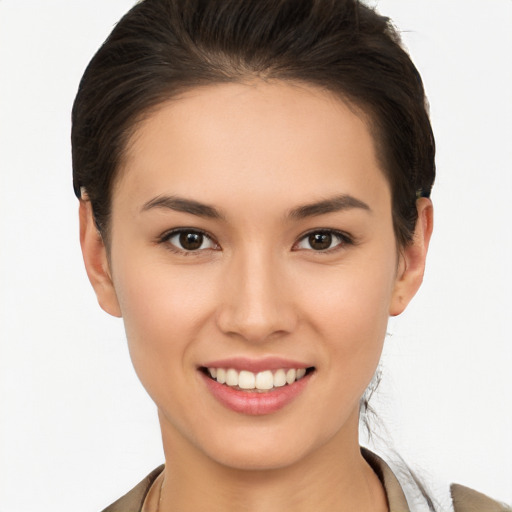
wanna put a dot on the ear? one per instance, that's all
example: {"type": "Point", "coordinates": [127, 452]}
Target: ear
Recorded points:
{"type": "Point", "coordinates": [412, 259]}
{"type": "Point", "coordinates": [96, 261]}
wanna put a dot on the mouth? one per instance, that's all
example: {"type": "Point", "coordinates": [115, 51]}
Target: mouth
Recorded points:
{"type": "Point", "coordinates": [264, 381]}
{"type": "Point", "coordinates": [256, 386]}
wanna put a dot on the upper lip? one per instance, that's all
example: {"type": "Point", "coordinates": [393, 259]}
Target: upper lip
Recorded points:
{"type": "Point", "coordinates": [256, 365]}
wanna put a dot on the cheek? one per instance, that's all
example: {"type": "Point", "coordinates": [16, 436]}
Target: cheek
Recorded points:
{"type": "Point", "coordinates": [352, 298]}
{"type": "Point", "coordinates": [163, 310]}
{"type": "Point", "coordinates": [158, 295]}
{"type": "Point", "coordinates": [350, 310]}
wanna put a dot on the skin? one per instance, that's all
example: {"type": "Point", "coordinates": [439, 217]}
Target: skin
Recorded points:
{"type": "Point", "coordinates": [256, 152]}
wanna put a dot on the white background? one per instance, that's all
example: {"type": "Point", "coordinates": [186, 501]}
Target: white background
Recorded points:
{"type": "Point", "coordinates": [76, 428]}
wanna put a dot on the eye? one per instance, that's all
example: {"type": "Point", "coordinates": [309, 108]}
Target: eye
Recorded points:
{"type": "Point", "coordinates": [189, 240]}
{"type": "Point", "coordinates": [322, 240]}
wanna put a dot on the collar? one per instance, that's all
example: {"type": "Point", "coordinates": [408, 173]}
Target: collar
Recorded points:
{"type": "Point", "coordinates": [397, 501]}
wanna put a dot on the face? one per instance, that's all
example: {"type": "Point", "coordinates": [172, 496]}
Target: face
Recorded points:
{"type": "Point", "coordinates": [252, 240]}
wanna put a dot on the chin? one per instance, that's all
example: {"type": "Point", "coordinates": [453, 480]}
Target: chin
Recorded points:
{"type": "Point", "coordinates": [266, 448]}
{"type": "Point", "coordinates": [258, 458]}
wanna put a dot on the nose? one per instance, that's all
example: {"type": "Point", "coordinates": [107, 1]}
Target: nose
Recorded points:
{"type": "Point", "coordinates": [257, 300]}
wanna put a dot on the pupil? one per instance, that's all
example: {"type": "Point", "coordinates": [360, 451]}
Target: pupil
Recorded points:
{"type": "Point", "coordinates": [320, 241]}
{"type": "Point", "coordinates": [191, 241]}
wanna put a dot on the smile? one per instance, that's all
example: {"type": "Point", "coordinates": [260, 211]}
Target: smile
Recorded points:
{"type": "Point", "coordinates": [262, 381]}
{"type": "Point", "coordinates": [256, 386]}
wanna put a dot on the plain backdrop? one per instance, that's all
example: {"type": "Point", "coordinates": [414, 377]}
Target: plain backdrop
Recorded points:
{"type": "Point", "coordinates": [77, 428]}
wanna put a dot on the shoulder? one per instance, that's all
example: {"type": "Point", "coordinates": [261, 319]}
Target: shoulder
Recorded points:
{"type": "Point", "coordinates": [134, 499]}
{"type": "Point", "coordinates": [469, 500]}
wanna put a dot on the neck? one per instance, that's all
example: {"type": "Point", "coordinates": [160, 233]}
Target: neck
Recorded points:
{"type": "Point", "coordinates": [334, 478]}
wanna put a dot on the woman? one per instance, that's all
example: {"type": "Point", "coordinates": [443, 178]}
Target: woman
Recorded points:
{"type": "Point", "coordinates": [254, 182]}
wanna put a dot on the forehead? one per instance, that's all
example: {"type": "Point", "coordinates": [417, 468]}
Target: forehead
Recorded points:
{"type": "Point", "coordinates": [267, 139]}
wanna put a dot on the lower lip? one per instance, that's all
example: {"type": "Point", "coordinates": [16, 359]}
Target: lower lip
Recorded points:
{"type": "Point", "coordinates": [252, 402]}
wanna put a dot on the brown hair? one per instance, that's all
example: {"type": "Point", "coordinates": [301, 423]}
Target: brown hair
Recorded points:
{"type": "Point", "coordinates": [163, 47]}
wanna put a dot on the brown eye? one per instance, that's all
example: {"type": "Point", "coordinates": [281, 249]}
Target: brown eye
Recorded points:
{"type": "Point", "coordinates": [323, 240]}
{"type": "Point", "coordinates": [189, 241]}
{"type": "Point", "coordinates": [320, 241]}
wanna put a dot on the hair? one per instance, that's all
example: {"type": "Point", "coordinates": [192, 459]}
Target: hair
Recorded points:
{"type": "Point", "coordinates": [162, 48]}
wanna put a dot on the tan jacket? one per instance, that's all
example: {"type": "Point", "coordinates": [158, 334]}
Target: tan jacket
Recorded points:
{"type": "Point", "coordinates": [464, 499]}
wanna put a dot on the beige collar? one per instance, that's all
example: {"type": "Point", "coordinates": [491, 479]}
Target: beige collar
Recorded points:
{"type": "Point", "coordinates": [397, 501]}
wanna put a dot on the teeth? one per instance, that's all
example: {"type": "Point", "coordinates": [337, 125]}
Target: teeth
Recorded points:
{"type": "Point", "coordinates": [221, 375]}
{"type": "Point", "coordinates": [291, 375]}
{"type": "Point", "coordinates": [279, 378]}
{"type": "Point", "coordinates": [232, 377]}
{"type": "Point", "coordinates": [246, 380]}
{"type": "Point", "coordinates": [262, 381]}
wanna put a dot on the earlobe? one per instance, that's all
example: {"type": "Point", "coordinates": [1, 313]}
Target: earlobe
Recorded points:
{"type": "Point", "coordinates": [412, 259]}
{"type": "Point", "coordinates": [96, 262]}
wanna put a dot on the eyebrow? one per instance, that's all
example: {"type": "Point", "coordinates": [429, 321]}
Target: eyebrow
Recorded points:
{"type": "Point", "coordinates": [334, 204]}
{"type": "Point", "coordinates": [180, 204]}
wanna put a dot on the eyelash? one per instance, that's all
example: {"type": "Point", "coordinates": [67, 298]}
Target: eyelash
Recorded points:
{"type": "Point", "coordinates": [166, 239]}
{"type": "Point", "coordinates": [344, 240]}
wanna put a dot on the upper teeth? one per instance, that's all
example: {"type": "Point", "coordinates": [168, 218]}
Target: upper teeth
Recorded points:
{"type": "Point", "coordinates": [262, 380]}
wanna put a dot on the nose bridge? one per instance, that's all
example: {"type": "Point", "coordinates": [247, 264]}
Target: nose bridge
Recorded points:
{"type": "Point", "coordinates": [256, 301]}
